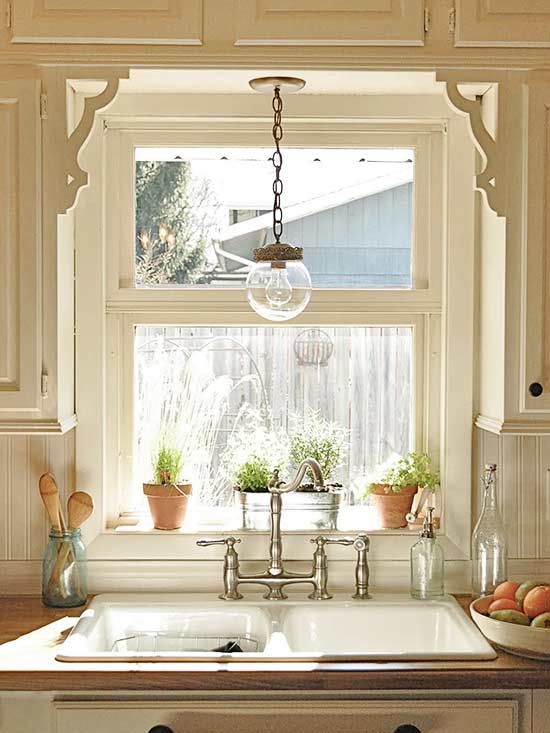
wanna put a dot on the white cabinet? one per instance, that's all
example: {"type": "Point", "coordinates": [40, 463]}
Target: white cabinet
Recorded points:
{"type": "Point", "coordinates": [326, 23]}
{"type": "Point", "coordinates": [36, 273]}
{"type": "Point", "coordinates": [523, 23]}
{"type": "Point", "coordinates": [20, 262]}
{"type": "Point", "coordinates": [426, 716]}
{"type": "Point", "coordinates": [108, 21]}
{"type": "Point", "coordinates": [535, 339]}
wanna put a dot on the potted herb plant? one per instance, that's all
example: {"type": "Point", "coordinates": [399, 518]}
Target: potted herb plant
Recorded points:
{"type": "Point", "coordinates": [392, 491]}
{"type": "Point", "coordinates": [252, 454]}
{"type": "Point", "coordinates": [168, 498]}
{"type": "Point", "coordinates": [313, 436]}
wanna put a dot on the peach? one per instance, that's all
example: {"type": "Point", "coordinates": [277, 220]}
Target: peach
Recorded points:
{"type": "Point", "coordinates": [503, 604]}
{"type": "Point", "coordinates": [537, 601]}
{"type": "Point", "coordinates": [506, 590]}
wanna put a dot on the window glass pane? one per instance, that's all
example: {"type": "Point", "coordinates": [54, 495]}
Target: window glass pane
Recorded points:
{"type": "Point", "coordinates": [223, 394]}
{"type": "Point", "coordinates": [200, 213]}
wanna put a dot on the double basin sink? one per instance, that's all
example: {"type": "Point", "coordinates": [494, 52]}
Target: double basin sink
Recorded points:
{"type": "Point", "coordinates": [197, 628]}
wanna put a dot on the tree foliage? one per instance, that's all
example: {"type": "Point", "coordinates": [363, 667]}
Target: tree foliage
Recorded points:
{"type": "Point", "coordinates": [175, 218]}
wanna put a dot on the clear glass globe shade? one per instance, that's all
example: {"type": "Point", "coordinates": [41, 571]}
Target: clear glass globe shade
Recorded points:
{"type": "Point", "coordinates": [278, 293]}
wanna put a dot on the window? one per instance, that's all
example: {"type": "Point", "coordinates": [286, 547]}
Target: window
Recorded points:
{"type": "Point", "coordinates": [186, 342]}
{"type": "Point", "coordinates": [432, 311]}
{"type": "Point", "coordinates": [200, 213]}
{"type": "Point", "coordinates": [225, 393]}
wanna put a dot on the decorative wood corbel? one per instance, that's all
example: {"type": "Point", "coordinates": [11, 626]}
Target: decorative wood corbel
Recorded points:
{"type": "Point", "coordinates": [76, 177]}
{"type": "Point", "coordinates": [488, 180]}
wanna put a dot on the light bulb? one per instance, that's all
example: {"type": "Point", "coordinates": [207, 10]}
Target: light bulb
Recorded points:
{"type": "Point", "coordinates": [278, 290]}
{"type": "Point", "coordinates": [278, 293]}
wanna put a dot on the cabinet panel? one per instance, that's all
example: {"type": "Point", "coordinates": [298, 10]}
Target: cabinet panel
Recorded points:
{"type": "Point", "coordinates": [107, 21]}
{"type": "Point", "coordinates": [325, 23]}
{"type": "Point", "coordinates": [535, 347]}
{"type": "Point", "coordinates": [20, 235]}
{"type": "Point", "coordinates": [482, 716]}
{"type": "Point", "coordinates": [502, 23]}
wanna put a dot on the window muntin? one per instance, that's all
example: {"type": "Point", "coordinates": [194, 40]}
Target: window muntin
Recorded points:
{"type": "Point", "coordinates": [200, 212]}
{"type": "Point", "coordinates": [205, 384]}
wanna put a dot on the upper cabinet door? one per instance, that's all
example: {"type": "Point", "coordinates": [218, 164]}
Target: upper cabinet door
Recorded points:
{"type": "Point", "coordinates": [20, 249]}
{"type": "Point", "coordinates": [107, 21]}
{"type": "Point", "coordinates": [535, 346]}
{"type": "Point", "coordinates": [502, 23]}
{"type": "Point", "coordinates": [329, 23]}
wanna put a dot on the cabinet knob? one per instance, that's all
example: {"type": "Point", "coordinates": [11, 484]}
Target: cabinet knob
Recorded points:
{"type": "Point", "coordinates": [160, 729]}
{"type": "Point", "coordinates": [536, 389]}
{"type": "Point", "coordinates": [407, 728]}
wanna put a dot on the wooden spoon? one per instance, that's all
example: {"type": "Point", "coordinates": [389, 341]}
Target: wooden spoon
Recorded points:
{"type": "Point", "coordinates": [80, 505]}
{"type": "Point", "coordinates": [50, 496]}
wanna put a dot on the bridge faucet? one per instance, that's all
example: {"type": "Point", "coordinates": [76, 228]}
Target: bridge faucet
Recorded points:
{"type": "Point", "coordinates": [275, 577]}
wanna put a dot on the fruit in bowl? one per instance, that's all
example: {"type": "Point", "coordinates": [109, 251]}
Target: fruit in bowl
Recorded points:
{"type": "Point", "coordinates": [527, 604]}
{"type": "Point", "coordinates": [516, 618]}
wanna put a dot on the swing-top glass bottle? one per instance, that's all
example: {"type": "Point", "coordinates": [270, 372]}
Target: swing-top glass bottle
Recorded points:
{"type": "Point", "coordinates": [489, 550]}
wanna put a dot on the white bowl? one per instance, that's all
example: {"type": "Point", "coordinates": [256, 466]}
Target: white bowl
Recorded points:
{"type": "Point", "coordinates": [525, 641]}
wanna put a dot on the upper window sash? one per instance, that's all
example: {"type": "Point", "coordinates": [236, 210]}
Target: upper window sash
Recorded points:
{"type": "Point", "coordinates": [426, 256]}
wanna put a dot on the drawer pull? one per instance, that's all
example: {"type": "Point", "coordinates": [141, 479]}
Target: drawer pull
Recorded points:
{"type": "Point", "coordinates": [160, 729]}
{"type": "Point", "coordinates": [536, 389]}
{"type": "Point", "coordinates": [407, 728]}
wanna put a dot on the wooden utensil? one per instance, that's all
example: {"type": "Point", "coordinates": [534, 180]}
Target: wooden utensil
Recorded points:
{"type": "Point", "coordinates": [80, 506]}
{"type": "Point", "coordinates": [50, 496]}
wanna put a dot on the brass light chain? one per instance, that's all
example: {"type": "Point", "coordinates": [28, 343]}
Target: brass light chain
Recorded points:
{"type": "Point", "coordinates": [277, 159]}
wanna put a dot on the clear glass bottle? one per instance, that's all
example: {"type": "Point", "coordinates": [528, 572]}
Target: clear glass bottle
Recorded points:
{"type": "Point", "coordinates": [427, 563]}
{"type": "Point", "coordinates": [64, 579]}
{"type": "Point", "coordinates": [489, 550]}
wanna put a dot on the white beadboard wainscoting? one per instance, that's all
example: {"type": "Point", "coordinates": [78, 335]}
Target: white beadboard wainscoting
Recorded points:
{"type": "Point", "coordinates": [523, 488]}
{"type": "Point", "coordinates": [524, 495]}
{"type": "Point", "coordinates": [23, 523]}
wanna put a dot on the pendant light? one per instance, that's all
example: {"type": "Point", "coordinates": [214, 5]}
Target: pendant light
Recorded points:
{"type": "Point", "coordinates": [278, 286]}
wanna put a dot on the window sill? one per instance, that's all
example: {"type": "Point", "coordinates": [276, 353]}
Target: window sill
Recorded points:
{"type": "Point", "coordinates": [350, 519]}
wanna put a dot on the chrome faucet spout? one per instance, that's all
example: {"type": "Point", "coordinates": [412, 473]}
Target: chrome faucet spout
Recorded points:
{"type": "Point", "coordinates": [277, 487]}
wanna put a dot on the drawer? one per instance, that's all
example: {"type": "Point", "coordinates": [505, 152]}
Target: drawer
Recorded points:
{"type": "Point", "coordinates": [422, 716]}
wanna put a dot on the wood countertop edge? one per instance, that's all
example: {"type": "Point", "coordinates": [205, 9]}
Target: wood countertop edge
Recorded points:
{"type": "Point", "coordinates": [21, 615]}
{"type": "Point", "coordinates": [319, 680]}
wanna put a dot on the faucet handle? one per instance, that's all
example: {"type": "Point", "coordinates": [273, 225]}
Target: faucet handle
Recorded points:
{"type": "Point", "coordinates": [207, 541]}
{"type": "Point", "coordinates": [321, 541]}
{"type": "Point", "coordinates": [230, 565]}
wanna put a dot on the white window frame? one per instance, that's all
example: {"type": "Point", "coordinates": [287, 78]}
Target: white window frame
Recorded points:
{"type": "Point", "coordinates": [436, 307]}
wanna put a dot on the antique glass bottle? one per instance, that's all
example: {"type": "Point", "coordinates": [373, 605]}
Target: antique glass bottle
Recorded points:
{"type": "Point", "coordinates": [489, 550]}
{"type": "Point", "coordinates": [64, 582]}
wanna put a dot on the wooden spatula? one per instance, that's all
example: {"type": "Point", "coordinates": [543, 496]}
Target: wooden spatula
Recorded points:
{"type": "Point", "coordinates": [50, 496]}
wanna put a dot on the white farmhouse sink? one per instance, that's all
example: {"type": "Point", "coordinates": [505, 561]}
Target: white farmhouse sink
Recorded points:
{"type": "Point", "coordinates": [186, 627]}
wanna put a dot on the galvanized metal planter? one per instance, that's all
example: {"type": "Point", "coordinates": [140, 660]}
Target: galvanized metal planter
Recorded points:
{"type": "Point", "coordinates": [307, 510]}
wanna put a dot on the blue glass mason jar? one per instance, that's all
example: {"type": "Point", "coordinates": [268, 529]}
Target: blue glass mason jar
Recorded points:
{"type": "Point", "coordinates": [64, 577]}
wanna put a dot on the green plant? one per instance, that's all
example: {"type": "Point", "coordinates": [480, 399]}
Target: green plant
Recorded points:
{"type": "Point", "coordinates": [167, 465]}
{"type": "Point", "coordinates": [414, 469]}
{"type": "Point", "coordinates": [253, 452]}
{"type": "Point", "coordinates": [254, 475]}
{"type": "Point", "coordinates": [313, 436]}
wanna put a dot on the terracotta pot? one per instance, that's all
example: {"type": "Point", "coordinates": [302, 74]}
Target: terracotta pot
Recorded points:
{"type": "Point", "coordinates": [392, 507]}
{"type": "Point", "coordinates": [168, 503]}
